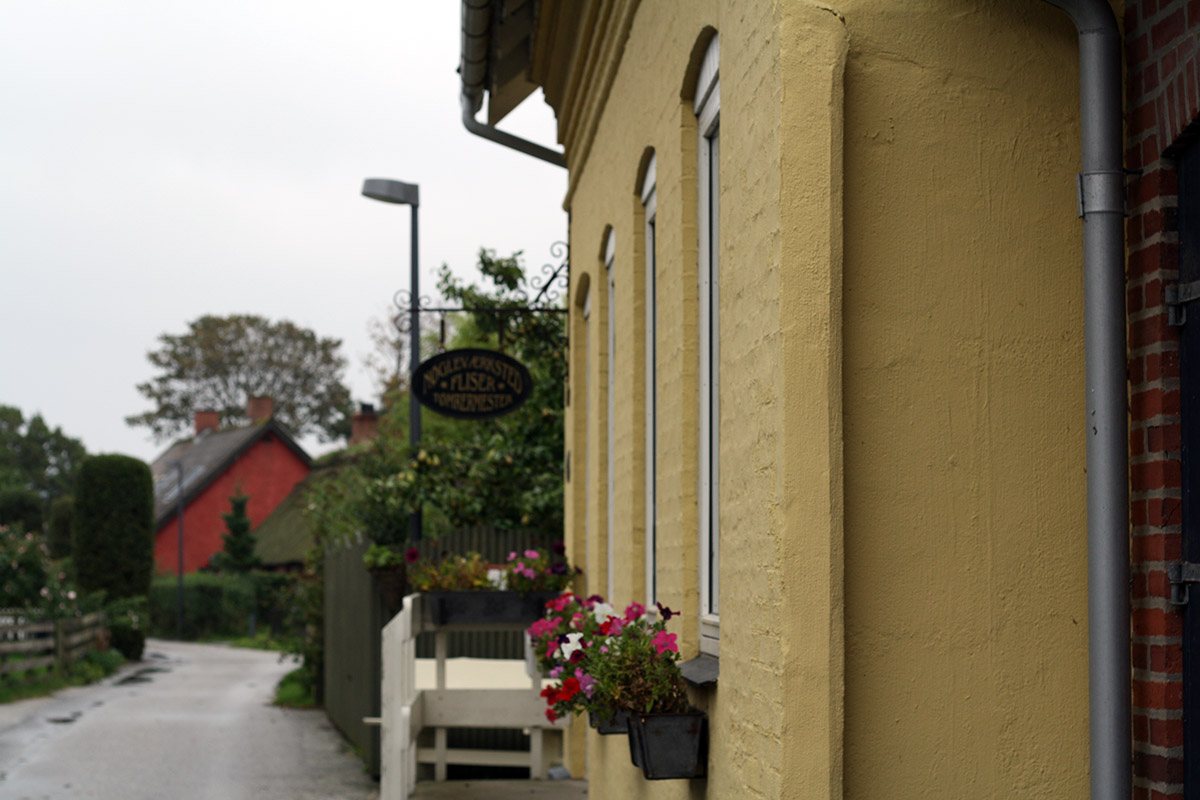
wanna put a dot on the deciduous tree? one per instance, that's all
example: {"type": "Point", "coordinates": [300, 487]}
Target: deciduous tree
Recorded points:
{"type": "Point", "coordinates": [36, 457]}
{"type": "Point", "coordinates": [220, 362]}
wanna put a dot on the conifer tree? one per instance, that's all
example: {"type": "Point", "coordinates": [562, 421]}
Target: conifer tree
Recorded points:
{"type": "Point", "coordinates": [238, 554]}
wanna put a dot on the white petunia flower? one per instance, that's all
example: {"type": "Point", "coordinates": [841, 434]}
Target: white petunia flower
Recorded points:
{"type": "Point", "coordinates": [602, 611]}
{"type": "Point", "coordinates": [572, 644]}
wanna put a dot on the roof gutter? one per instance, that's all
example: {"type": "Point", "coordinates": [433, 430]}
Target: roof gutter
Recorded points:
{"type": "Point", "coordinates": [1101, 187]}
{"type": "Point", "coordinates": [473, 68]}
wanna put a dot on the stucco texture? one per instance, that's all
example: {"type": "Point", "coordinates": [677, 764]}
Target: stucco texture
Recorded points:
{"type": "Point", "coordinates": [903, 607]}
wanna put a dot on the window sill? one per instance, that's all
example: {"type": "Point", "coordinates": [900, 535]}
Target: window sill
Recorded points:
{"type": "Point", "coordinates": [701, 671]}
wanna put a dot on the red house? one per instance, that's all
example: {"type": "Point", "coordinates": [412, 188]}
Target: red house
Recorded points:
{"type": "Point", "coordinates": [260, 460]}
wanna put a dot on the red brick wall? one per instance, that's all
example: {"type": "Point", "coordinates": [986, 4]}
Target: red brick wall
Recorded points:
{"type": "Point", "coordinates": [1162, 99]}
{"type": "Point", "coordinates": [266, 473]}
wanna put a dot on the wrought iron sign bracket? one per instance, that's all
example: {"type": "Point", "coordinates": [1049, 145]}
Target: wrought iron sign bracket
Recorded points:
{"type": "Point", "coordinates": [553, 281]}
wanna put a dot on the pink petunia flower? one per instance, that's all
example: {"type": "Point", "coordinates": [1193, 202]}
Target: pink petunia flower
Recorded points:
{"type": "Point", "coordinates": [532, 554]}
{"type": "Point", "coordinates": [664, 641]}
{"type": "Point", "coordinates": [633, 611]}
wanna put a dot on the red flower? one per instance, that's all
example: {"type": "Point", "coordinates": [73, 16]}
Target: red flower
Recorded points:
{"type": "Point", "coordinates": [550, 715]}
{"type": "Point", "coordinates": [411, 555]}
{"type": "Point", "coordinates": [570, 688]}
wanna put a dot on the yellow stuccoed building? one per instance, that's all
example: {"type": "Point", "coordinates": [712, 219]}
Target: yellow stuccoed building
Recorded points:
{"type": "Point", "coordinates": [827, 380]}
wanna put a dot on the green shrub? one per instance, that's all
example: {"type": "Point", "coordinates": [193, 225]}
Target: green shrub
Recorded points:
{"type": "Point", "coordinates": [213, 605]}
{"type": "Point", "coordinates": [127, 624]}
{"type": "Point", "coordinates": [112, 537]}
{"type": "Point", "coordinates": [21, 506]}
{"type": "Point", "coordinates": [58, 527]}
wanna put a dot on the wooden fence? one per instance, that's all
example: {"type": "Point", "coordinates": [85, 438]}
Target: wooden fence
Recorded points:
{"type": "Point", "coordinates": [30, 646]}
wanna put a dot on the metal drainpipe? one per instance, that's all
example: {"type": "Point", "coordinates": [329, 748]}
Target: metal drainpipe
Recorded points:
{"type": "Point", "coordinates": [476, 20]}
{"type": "Point", "coordinates": [1102, 206]}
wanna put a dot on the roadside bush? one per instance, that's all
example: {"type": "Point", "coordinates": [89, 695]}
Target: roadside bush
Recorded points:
{"type": "Point", "coordinates": [127, 620]}
{"type": "Point", "coordinates": [213, 605]}
{"type": "Point", "coordinates": [21, 506]}
{"type": "Point", "coordinates": [112, 538]}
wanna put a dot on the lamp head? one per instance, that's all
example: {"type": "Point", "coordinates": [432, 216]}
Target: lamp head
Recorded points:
{"type": "Point", "coordinates": [389, 191]}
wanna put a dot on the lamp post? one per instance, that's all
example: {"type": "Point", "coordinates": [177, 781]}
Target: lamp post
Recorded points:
{"type": "Point", "coordinates": [408, 194]}
{"type": "Point", "coordinates": [178, 465]}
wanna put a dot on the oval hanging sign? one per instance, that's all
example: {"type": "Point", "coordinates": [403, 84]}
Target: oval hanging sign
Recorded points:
{"type": "Point", "coordinates": [472, 383]}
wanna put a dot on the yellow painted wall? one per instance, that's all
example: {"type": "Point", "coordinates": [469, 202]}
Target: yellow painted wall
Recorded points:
{"type": "Point", "coordinates": [901, 389]}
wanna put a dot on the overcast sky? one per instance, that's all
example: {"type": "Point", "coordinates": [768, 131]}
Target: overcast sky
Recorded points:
{"type": "Point", "coordinates": [161, 160]}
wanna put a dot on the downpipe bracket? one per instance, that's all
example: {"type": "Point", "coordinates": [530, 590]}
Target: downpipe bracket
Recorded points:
{"type": "Point", "coordinates": [1097, 192]}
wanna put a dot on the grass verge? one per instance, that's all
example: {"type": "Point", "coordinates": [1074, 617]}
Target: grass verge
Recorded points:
{"type": "Point", "coordinates": [260, 641]}
{"type": "Point", "coordinates": [89, 668]}
{"type": "Point", "coordinates": [293, 691]}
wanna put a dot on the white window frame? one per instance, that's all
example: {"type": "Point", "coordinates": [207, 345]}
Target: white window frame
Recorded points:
{"type": "Point", "coordinates": [587, 415]}
{"type": "Point", "coordinates": [650, 206]}
{"type": "Point", "coordinates": [609, 257]}
{"type": "Point", "coordinates": [707, 106]}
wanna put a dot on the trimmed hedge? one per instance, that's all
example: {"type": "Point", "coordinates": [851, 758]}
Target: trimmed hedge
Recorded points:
{"type": "Point", "coordinates": [112, 536]}
{"type": "Point", "coordinates": [213, 605]}
{"type": "Point", "coordinates": [58, 527]}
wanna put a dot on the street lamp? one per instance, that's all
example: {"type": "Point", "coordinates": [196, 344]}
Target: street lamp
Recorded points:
{"type": "Point", "coordinates": [178, 465]}
{"type": "Point", "coordinates": [408, 194]}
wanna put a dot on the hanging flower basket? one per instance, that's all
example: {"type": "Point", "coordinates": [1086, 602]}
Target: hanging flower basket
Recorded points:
{"type": "Point", "coordinates": [607, 726]}
{"type": "Point", "coordinates": [670, 745]}
{"type": "Point", "coordinates": [486, 607]}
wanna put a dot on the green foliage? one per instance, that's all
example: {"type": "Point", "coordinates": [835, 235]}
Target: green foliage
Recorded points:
{"type": "Point", "coordinates": [58, 527]}
{"type": "Point", "coordinates": [238, 554]}
{"type": "Point", "coordinates": [112, 537]}
{"type": "Point", "coordinates": [214, 606]}
{"type": "Point", "coordinates": [88, 668]}
{"type": "Point", "coordinates": [379, 556]}
{"type": "Point", "coordinates": [504, 472]}
{"type": "Point", "coordinates": [220, 362]}
{"type": "Point", "coordinates": [294, 691]}
{"type": "Point", "coordinates": [306, 616]}
{"type": "Point", "coordinates": [127, 620]}
{"type": "Point", "coordinates": [30, 579]}
{"type": "Point", "coordinates": [21, 506]}
{"type": "Point", "coordinates": [35, 456]}
{"type": "Point", "coordinates": [449, 574]}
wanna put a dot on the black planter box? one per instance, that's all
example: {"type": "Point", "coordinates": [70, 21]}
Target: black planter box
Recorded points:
{"type": "Point", "coordinates": [484, 607]}
{"type": "Point", "coordinates": [670, 745]}
{"type": "Point", "coordinates": [606, 726]}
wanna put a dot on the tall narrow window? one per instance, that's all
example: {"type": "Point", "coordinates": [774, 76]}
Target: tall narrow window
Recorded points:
{"type": "Point", "coordinates": [707, 107]}
{"type": "Point", "coordinates": [650, 205]}
{"type": "Point", "coordinates": [587, 417]}
{"type": "Point", "coordinates": [609, 254]}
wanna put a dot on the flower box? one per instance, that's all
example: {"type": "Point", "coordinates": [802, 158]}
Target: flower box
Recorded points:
{"type": "Point", "coordinates": [670, 745]}
{"type": "Point", "coordinates": [485, 607]}
{"type": "Point", "coordinates": [607, 726]}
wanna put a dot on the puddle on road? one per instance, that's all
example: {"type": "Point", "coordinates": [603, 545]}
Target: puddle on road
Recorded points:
{"type": "Point", "coordinates": [141, 676]}
{"type": "Point", "coordinates": [67, 720]}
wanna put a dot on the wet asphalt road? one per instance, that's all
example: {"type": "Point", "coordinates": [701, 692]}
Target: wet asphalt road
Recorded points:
{"type": "Point", "coordinates": [191, 722]}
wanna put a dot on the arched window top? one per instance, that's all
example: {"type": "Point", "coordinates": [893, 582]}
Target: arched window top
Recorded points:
{"type": "Point", "coordinates": [650, 179]}
{"type": "Point", "coordinates": [706, 82]}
